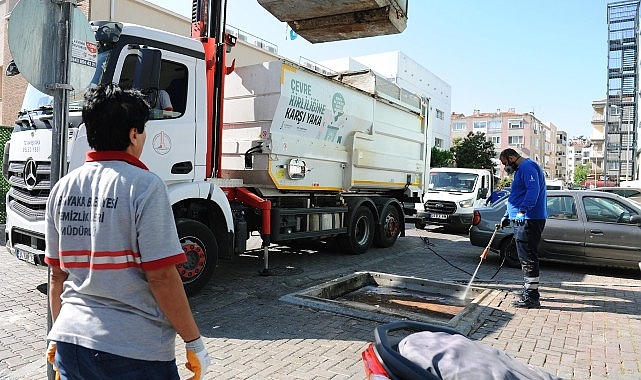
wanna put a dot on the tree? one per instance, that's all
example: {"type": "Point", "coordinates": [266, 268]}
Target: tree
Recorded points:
{"type": "Point", "coordinates": [506, 181]}
{"type": "Point", "coordinates": [580, 174]}
{"type": "Point", "coordinates": [474, 151]}
{"type": "Point", "coordinates": [441, 158]}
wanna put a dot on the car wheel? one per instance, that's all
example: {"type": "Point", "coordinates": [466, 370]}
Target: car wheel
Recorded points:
{"type": "Point", "coordinates": [508, 252]}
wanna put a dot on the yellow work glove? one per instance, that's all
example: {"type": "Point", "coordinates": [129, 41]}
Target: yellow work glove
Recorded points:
{"type": "Point", "coordinates": [51, 357]}
{"type": "Point", "coordinates": [197, 358]}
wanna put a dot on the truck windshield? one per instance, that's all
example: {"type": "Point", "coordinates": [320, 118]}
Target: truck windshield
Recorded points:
{"type": "Point", "coordinates": [37, 103]}
{"type": "Point", "coordinates": [452, 181]}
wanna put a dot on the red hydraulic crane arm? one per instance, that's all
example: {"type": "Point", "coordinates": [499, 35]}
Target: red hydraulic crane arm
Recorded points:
{"type": "Point", "coordinates": [207, 25]}
{"type": "Point", "coordinates": [241, 194]}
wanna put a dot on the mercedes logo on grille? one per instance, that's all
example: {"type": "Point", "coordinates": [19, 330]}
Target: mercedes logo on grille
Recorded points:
{"type": "Point", "coordinates": [439, 205]}
{"type": "Point", "coordinates": [30, 174]}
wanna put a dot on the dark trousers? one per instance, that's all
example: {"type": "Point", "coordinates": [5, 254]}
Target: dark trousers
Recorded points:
{"type": "Point", "coordinates": [527, 238]}
{"type": "Point", "coordinates": [77, 362]}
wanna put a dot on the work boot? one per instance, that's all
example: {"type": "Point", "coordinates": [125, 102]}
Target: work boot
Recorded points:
{"type": "Point", "coordinates": [527, 301]}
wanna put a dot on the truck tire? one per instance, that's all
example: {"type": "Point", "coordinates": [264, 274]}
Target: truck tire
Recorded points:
{"type": "Point", "coordinates": [201, 249]}
{"type": "Point", "coordinates": [360, 232]}
{"type": "Point", "coordinates": [390, 227]}
{"type": "Point", "coordinates": [508, 252]}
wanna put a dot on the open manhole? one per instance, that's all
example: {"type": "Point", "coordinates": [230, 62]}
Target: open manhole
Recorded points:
{"type": "Point", "coordinates": [384, 297]}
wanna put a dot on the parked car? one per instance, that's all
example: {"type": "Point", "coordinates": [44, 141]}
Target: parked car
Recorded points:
{"type": "Point", "coordinates": [583, 226]}
{"type": "Point", "coordinates": [631, 193]}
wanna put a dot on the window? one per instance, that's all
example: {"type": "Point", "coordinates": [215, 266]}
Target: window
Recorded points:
{"type": "Point", "coordinates": [606, 210]}
{"type": "Point", "coordinates": [515, 124]}
{"type": "Point", "coordinates": [536, 127]}
{"type": "Point", "coordinates": [561, 208]}
{"type": "Point", "coordinates": [496, 140]}
{"type": "Point", "coordinates": [438, 143]}
{"type": "Point", "coordinates": [494, 125]}
{"type": "Point", "coordinates": [480, 124]}
{"type": "Point", "coordinates": [439, 114]}
{"type": "Point", "coordinates": [459, 126]}
{"type": "Point", "coordinates": [514, 140]}
{"type": "Point", "coordinates": [170, 99]}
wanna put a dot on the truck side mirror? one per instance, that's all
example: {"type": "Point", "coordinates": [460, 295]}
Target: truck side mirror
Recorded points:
{"type": "Point", "coordinates": [482, 193]}
{"type": "Point", "coordinates": [12, 69]}
{"type": "Point", "coordinates": [107, 32]}
{"type": "Point", "coordinates": [147, 71]}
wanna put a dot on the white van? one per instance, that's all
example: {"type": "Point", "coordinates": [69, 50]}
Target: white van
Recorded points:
{"type": "Point", "coordinates": [453, 193]}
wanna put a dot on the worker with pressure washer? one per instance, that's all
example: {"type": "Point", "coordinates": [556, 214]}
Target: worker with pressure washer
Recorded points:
{"type": "Point", "coordinates": [527, 211]}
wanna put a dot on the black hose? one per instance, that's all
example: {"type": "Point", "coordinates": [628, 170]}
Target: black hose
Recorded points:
{"type": "Point", "coordinates": [500, 266]}
{"type": "Point", "coordinates": [426, 240]}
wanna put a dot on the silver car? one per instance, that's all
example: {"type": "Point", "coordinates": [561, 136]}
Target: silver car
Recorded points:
{"type": "Point", "coordinates": [631, 193]}
{"type": "Point", "coordinates": [585, 227]}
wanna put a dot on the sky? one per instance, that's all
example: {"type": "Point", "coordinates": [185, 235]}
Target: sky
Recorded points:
{"type": "Point", "coordinates": [548, 57]}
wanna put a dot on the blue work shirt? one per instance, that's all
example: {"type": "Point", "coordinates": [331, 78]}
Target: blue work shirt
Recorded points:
{"type": "Point", "coordinates": [528, 193]}
{"type": "Point", "coordinates": [495, 196]}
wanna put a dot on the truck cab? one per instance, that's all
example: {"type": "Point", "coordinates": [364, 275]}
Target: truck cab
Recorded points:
{"type": "Point", "coordinates": [453, 193]}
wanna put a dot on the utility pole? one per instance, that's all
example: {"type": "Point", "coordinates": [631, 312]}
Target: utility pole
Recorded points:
{"type": "Point", "coordinates": [60, 89]}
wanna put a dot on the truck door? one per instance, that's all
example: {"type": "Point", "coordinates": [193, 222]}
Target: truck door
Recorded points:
{"type": "Point", "coordinates": [171, 130]}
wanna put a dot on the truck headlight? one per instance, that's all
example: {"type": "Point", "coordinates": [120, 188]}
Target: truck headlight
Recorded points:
{"type": "Point", "coordinates": [466, 203]}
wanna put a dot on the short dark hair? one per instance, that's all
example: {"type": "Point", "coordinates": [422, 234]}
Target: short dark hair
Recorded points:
{"type": "Point", "coordinates": [509, 152]}
{"type": "Point", "coordinates": [110, 112]}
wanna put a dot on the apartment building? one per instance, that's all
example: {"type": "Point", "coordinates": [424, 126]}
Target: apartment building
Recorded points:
{"type": "Point", "coordinates": [579, 151]}
{"type": "Point", "coordinates": [561, 170]}
{"type": "Point", "coordinates": [510, 129]}
{"type": "Point", "coordinates": [622, 157]}
{"type": "Point", "coordinates": [597, 138]}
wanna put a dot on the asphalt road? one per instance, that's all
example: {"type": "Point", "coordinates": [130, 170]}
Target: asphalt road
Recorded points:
{"type": "Point", "coordinates": [587, 328]}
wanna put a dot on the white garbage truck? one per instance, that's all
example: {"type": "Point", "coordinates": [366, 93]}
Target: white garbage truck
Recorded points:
{"type": "Point", "coordinates": [295, 155]}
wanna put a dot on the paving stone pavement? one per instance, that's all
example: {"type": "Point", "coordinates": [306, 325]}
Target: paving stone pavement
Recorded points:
{"type": "Point", "coordinates": [589, 325]}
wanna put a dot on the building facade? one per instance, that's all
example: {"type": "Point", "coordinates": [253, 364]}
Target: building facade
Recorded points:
{"type": "Point", "coordinates": [508, 129]}
{"type": "Point", "coordinates": [597, 138]}
{"type": "Point", "coordinates": [579, 151]}
{"type": "Point", "coordinates": [621, 150]}
{"type": "Point", "coordinates": [561, 157]}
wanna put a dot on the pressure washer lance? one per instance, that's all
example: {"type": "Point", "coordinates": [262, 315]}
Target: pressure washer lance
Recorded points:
{"type": "Point", "coordinates": [483, 257]}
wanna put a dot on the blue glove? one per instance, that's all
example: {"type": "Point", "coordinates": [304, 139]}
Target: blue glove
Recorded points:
{"type": "Point", "coordinates": [519, 219]}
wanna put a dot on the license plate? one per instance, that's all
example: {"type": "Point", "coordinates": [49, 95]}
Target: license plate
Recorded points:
{"type": "Point", "coordinates": [25, 256]}
{"type": "Point", "coordinates": [439, 216]}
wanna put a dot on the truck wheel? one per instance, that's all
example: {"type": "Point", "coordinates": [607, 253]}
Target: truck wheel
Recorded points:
{"type": "Point", "coordinates": [508, 251]}
{"type": "Point", "coordinates": [201, 249]}
{"type": "Point", "coordinates": [390, 228]}
{"type": "Point", "coordinates": [360, 232]}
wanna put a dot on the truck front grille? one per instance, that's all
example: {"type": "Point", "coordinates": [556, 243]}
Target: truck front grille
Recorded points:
{"type": "Point", "coordinates": [28, 196]}
{"type": "Point", "coordinates": [440, 207]}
